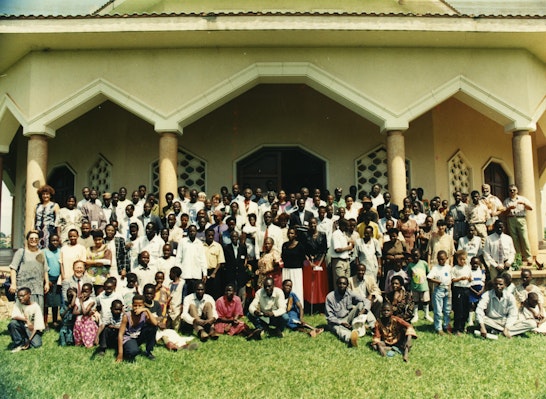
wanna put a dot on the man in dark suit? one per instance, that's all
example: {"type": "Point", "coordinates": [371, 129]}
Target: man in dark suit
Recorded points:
{"type": "Point", "coordinates": [388, 204]}
{"type": "Point", "coordinates": [236, 268]}
{"type": "Point", "coordinates": [301, 217]}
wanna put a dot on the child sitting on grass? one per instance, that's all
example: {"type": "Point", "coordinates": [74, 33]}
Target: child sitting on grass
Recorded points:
{"type": "Point", "coordinates": [108, 331]}
{"type": "Point", "coordinates": [392, 334]}
{"type": "Point", "coordinates": [66, 333]}
{"type": "Point", "coordinates": [27, 322]}
{"type": "Point", "coordinates": [440, 275]}
{"type": "Point", "coordinates": [85, 327]}
{"type": "Point", "coordinates": [133, 332]}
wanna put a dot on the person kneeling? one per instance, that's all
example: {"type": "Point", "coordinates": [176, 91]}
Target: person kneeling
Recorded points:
{"type": "Point", "coordinates": [27, 322]}
{"type": "Point", "coordinates": [392, 334]}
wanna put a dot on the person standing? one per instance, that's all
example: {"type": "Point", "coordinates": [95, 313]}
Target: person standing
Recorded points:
{"type": "Point", "coordinates": [516, 207]}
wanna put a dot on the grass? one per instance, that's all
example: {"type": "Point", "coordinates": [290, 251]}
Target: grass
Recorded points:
{"type": "Point", "coordinates": [293, 367]}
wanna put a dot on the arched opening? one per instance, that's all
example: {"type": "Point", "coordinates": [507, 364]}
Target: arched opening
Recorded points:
{"type": "Point", "coordinates": [287, 168]}
{"type": "Point", "coordinates": [61, 179]}
{"type": "Point", "coordinates": [496, 177]}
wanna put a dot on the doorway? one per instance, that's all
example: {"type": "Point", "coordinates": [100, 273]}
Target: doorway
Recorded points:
{"type": "Point", "coordinates": [61, 179]}
{"type": "Point", "coordinates": [496, 177]}
{"type": "Point", "coordinates": [287, 168]}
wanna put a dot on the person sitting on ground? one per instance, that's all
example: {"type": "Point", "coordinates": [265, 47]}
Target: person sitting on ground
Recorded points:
{"type": "Point", "coordinates": [105, 298]}
{"type": "Point", "coordinates": [294, 309]}
{"type": "Point", "coordinates": [132, 333]}
{"type": "Point", "coordinates": [85, 327]}
{"type": "Point", "coordinates": [530, 310]}
{"type": "Point", "coordinates": [392, 332]}
{"type": "Point", "coordinates": [27, 322]}
{"type": "Point", "coordinates": [163, 334]}
{"type": "Point", "coordinates": [342, 308]}
{"type": "Point", "coordinates": [522, 291]}
{"type": "Point", "coordinates": [199, 311]}
{"type": "Point", "coordinates": [230, 311]}
{"type": "Point", "coordinates": [108, 331]}
{"type": "Point", "coordinates": [498, 311]}
{"type": "Point", "coordinates": [267, 310]}
{"type": "Point", "coordinates": [400, 299]}
{"type": "Point", "coordinates": [367, 287]}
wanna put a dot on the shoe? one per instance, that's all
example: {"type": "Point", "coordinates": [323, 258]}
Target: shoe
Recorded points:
{"type": "Point", "coordinates": [315, 332]}
{"type": "Point", "coordinates": [257, 334]}
{"type": "Point", "coordinates": [17, 349]}
{"type": "Point", "coordinates": [213, 336]}
{"type": "Point", "coordinates": [150, 355]}
{"type": "Point", "coordinates": [429, 318]}
{"type": "Point", "coordinates": [276, 333]}
{"type": "Point", "coordinates": [440, 332]}
{"type": "Point", "coordinates": [415, 319]}
{"type": "Point", "coordinates": [354, 339]}
{"type": "Point", "coordinates": [101, 353]}
{"type": "Point", "coordinates": [203, 336]}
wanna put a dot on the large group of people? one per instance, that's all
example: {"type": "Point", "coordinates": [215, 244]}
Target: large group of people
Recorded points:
{"type": "Point", "coordinates": [118, 272]}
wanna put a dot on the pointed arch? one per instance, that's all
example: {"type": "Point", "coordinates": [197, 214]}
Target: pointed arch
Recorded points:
{"type": "Point", "coordinates": [83, 101]}
{"type": "Point", "coordinates": [11, 117]}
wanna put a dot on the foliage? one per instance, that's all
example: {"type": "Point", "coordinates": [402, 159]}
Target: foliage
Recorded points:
{"type": "Point", "coordinates": [296, 366]}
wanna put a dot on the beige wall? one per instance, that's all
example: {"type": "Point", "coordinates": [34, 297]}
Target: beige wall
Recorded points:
{"type": "Point", "coordinates": [394, 78]}
{"type": "Point", "coordinates": [459, 127]}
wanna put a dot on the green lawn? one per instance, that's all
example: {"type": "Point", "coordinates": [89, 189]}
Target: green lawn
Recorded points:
{"type": "Point", "coordinates": [293, 367]}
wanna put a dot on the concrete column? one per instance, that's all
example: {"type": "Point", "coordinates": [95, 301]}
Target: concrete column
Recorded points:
{"type": "Point", "coordinates": [524, 175]}
{"type": "Point", "coordinates": [396, 164]}
{"type": "Point", "coordinates": [36, 175]}
{"type": "Point", "coordinates": [168, 165]}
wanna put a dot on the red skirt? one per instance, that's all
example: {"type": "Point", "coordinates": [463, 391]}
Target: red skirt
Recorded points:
{"type": "Point", "coordinates": [315, 282]}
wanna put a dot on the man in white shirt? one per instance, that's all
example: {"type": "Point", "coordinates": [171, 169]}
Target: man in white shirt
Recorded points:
{"type": "Point", "coordinates": [376, 196]}
{"type": "Point", "coordinates": [152, 243]}
{"type": "Point", "coordinates": [498, 310]}
{"type": "Point", "coordinates": [122, 203]}
{"type": "Point", "coordinates": [127, 220]}
{"type": "Point", "coordinates": [340, 250]}
{"type": "Point", "coordinates": [268, 229]}
{"type": "Point", "coordinates": [268, 309]}
{"type": "Point", "coordinates": [199, 311]}
{"type": "Point", "coordinates": [498, 252]}
{"type": "Point", "coordinates": [191, 258]}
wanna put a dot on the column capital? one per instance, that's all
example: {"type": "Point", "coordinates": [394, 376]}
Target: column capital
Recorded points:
{"type": "Point", "coordinates": [394, 125]}
{"type": "Point", "coordinates": [168, 127]}
{"type": "Point", "coordinates": [520, 126]}
{"type": "Point", "coordinates": [39, 131]}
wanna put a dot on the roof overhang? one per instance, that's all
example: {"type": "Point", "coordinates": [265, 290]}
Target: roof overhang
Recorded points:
{"type": "Point", "coordinates": [18, 36]}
